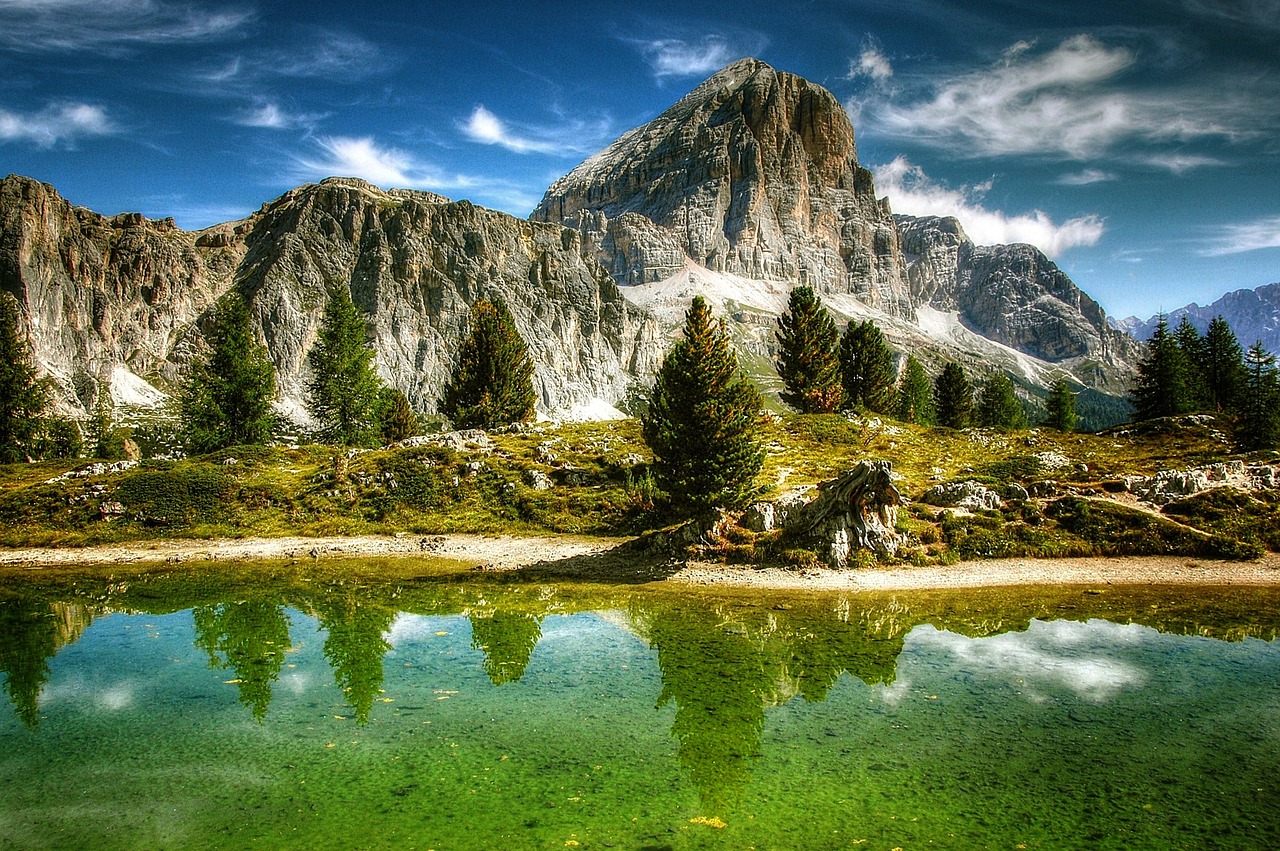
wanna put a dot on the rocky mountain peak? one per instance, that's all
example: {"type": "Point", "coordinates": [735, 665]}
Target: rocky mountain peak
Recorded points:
{"type": "Point", "coordinates": [755, 174]}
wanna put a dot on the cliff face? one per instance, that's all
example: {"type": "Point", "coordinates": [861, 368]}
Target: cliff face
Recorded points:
{"type": "Point", "coordinates": [103, 294]}
{"type": "Point", "coordinates": [754, 174]}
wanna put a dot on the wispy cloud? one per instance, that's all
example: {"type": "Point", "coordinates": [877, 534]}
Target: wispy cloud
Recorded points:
{"type": "Point", "coordinates": [670, 57]}
{"type": "Point", "coordinates": [871, 63]}
{"type": "Point", "coordinates": [321, 54]}
{"type": "Point", "coordinates": [1087, 177]}
{"type": "Point", "coordinates": [111, 26]}
{"type": "Point", "coordinates": [913, 193]}
{"type": "Point", "coordinates": [1071, 101]}
{"type": "Point", "coordinates": [1179, 163]}
{"type": "Point", "coordinates": [572, 137]}
{"type": "Point", "coordinates": [1244, 236]}
{"type": "Point", "coordinates": [56, 124]}
{"type": "Point", "coordinates": [269, 115]}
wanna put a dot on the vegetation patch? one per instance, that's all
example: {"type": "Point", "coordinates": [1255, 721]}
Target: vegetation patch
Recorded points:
{"type": "Point", "coordinates": [1113, 529]}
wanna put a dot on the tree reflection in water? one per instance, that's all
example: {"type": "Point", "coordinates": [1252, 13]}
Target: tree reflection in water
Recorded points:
{"type": "Point", "coordinates": [356, 625]}
{"type": "Point", "coordinates": [507, 639]}
{"type": "Point", "coordinates": [250, 637]}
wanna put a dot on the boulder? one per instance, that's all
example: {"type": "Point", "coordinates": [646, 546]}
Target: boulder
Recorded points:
{"type": "Point", "coordinates": [967, 494]}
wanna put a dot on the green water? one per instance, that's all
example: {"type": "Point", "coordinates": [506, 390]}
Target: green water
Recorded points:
{"type": "Point", "coordinates": [205, 709]}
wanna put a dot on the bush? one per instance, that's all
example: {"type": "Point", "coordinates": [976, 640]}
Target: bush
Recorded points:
{"type": "Point", "coordinates": [175, 495]}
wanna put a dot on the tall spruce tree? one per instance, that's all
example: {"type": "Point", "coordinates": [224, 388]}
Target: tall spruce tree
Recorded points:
{"type": "Point", "coordinates": [915, 397]}
{"type": "Point", "coordinates": [867, 371]}
{"type": "Point", "coordinates": [22, 396]}
{"type": "Point", "coordinates": [807, 360]}
{"type": "Point", "coordinates": [1061, 407]}
{"type": "Point", "coordinates": [1192, 346]}
{"type": "Point", "coordinates": [998, 405]}
{"type": "Point", "coordinates": [342, 393]}
{"type": "Point", "coordinates": [953, 397]}
{"type": "Point", "coordinates": [227, 398]}
{"type": "Point", "coordinates": [492, 382]}
{"type": "Point", "coordinates": [1223, 368]}
{"type": "Point", "coordinates": [396, 416]}
{"type": "Point", "coordinates": [1258, 422]}
{"type": "Point", "coordinates": [703, 420]}
{"type": "Point", "coordinates": [1161, 389]}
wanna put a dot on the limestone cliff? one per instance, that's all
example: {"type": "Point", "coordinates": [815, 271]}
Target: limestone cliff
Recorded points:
{"type": "Point", "coordinates": [118, 300]}
{"type": "Point", "coordinates": [754, 174]}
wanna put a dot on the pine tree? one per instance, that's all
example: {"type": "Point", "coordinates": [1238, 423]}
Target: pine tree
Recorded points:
{"type": "Point", "coordinates": [396, 416]}
{"type": "Point", "coordinates": [867, 369]}
{"type": "Point", "coordinates": [998, 405]}
{"type": "Point", "coordinates": [1258, 423]}
{"type": "Point", "coordinates": [22, 396]}
{"type": "Point", "coordinates": [1192, 346]}
{"type": "Point", "coordinates": [915, 397]}
{"type": "Point", "coordinates": [342, 393]}
{"type": "Point", "coordinates": [227, 398]}
{"type": "Point", "coordinates": [492, 382]}
{"type": "Point", "coordinates": [703, 420]}
{"type": "Point", "coordinates": [806, 354]}
{"type": "Point", "coordinates": [1161, 390]}
{"type": "Point", "coordinates": [953, 397]}
{"type": "Point", "coordinates": [1224, 373]}
{"type": "Point", "coordinates": [1062, 407]}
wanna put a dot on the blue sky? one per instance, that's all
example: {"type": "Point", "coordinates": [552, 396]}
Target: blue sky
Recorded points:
{"type": "Point", "coordinates": [1137, 143]}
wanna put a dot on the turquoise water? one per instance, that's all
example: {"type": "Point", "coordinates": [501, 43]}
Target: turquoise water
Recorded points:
{"type": "Point", "coordinates": [183, 710]}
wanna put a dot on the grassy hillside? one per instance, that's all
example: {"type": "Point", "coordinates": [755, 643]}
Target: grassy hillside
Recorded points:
{"type": "Point", "coordinates": [595, 481]}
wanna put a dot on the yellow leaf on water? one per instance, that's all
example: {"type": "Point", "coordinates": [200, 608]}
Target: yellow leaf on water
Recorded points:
{"type": "Point", "coordinates": [442, 632]}
{"type": "Point", "coordinates": [232, 682]}
{"type": "Point", "coordinates": [714, 821]}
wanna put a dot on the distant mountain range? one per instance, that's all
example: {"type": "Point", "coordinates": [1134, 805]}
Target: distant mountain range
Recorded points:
{"type": "Point", "coordinates": [747, 187]}
{"type": "Point", "coordinates": [1253, 315]}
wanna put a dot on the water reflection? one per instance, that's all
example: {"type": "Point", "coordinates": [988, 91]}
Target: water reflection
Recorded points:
{"type": "Point", "coordinates": [249, 637]}
{"type": "Point", "coordinates": [507, 639]}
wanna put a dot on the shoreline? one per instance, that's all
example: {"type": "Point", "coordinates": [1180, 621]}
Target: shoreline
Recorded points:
{"type": "Point", "coordinates": [584, 558]}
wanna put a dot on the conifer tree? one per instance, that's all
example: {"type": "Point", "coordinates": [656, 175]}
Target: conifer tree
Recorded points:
{"type": "Point", "coordinates": [396, 416]}
{"type": "Point", "coordinates": [1258, 424]}
{"type": "Point", "coordinates": [492, 382]}
{"type": "Point", "coordinates": [703, 420]}
{"type": "Point", "coordinates": [915, 397]}
{"type": "Point", "coordinates": [1224, 372]}
{"type": "Point", "coordinates": [867, 369]}
{"type": "Point", "coordinates": [342, 393]}
{"type": "Point", "coordinates": [1161, 390]}
{"type": "Point", "coordinates": [1062, 407]}
{"type": "Point", "coordinates": [227, 398]}
{"type": "Point", "coordinates": [806, 354]}
{"type": "Point", "coordinates": [22, 396]}
{"type": "Point", "coordinates": [998, 405]}
{"type": "Point", "coordinates": [1191, 344]}
{"type": "Point", "coordinates": [953, 397]}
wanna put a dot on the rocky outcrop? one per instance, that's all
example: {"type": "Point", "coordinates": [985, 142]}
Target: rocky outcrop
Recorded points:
{"type": "Point", "coordinates": [969, 494]}
{"type": "Point", "coordinates": [1171, 485]}
{"type": "Point", "coordinates": [1012, 294]}
{"type": "Point", "coordinates": [755, 174]}
{"type": "Point", "coordinates": [117, 302]}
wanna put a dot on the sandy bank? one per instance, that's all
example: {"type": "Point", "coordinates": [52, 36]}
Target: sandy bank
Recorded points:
{"type": "Point", "coordinates": [595, 559]}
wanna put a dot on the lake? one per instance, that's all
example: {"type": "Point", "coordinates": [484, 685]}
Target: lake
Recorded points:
{"type": "Point", "coordinates": [406, 705]}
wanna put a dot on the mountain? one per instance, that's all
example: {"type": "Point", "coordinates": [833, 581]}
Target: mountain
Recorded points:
{"type": "Point", "coordinates": [1252, 314]}
{"type": "Point", "coordinates": [116, 303]}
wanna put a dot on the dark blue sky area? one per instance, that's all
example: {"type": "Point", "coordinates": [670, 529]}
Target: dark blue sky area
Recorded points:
{"type": "Point", "coordinates": [1136, 143]}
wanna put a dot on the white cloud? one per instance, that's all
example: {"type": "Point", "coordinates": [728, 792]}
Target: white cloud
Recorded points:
{"type": "Point", "coordinates": [571, 137]}
{"type": "Point", "coordinates": [111, 25]}
{"type": "Point", "coordinates": [1179, 163]}
{"type": "Point", "coordinates": [1244, 236]}
{"type": "Point", "coordinates": [268, 115]}
{"type": "Point", "coordinates": [57, 123]}
{"type": "Point", "coordinates": [871, 63]}
{"type": "Point", "coordinates": [913, 193]}
{"type": "Point", "coordinates": [671, 57]}
{"type": "Point", "coordinates": [1069, 101]}
{"type": "Point", "coordinates": [1086, 177]}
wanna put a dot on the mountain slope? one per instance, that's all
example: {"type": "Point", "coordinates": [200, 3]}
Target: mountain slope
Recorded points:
{"type": "Point", "coordinates": [1252, 314]}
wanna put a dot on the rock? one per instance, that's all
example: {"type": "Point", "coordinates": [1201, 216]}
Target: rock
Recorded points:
{"type": "Point", "coordinates": [545, 453]}
{"type": "Point", "coordinates": [1015, 491]}
{"type": "Point", "coordinates": [1169, 485]}
{"type": "Point", "coordinates": [109, 509]}
{"type": "Point", "coordinates": [1052, 460]}
{"type": "Point", "coordinates": [1041, 490]}
{"type": "Point", "coordinates": [573, 477]}
{"type": "Point", "coordinates": [538, 480]}
{"type": "Point", "coordinates": [967, 494]}
{"type": "Point", "coordinates": [631, 459]}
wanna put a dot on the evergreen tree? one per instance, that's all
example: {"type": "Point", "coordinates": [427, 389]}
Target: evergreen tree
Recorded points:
{"type": "Point", "coordinates": [396, 416]}
{"type": "Point", "coordinates": [1192, 346]}
{"type": "Point", "coordinates": [227, 399]}
{"type": "Point", "coordinates": [953, 397]}
{"type": "Point", "coordinates": [703, 420]}
{"type": "Point", "coordinates": [1161, 390]}
{"type": "Point", "coordinates": [1062, 407]}
{"type": "Point", "coordinates": [915, 397]}
{"type": "Point", "coordinates": [1223, 368]}
{"type": "Point", "coordinates": [806, 354]}
{"type": "Point", "coordinates": [998, 405]}
{"type": "Point", "coordinates": [867, 370]}
{"type": "Point", "coordinates": [22, 396]}
{"type": "Point", "coordinates": [492, 382]}
{"type": "Point", "coordinates": [1258, 424]}
{"type": "Point", "coordinates": [342, 393]}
